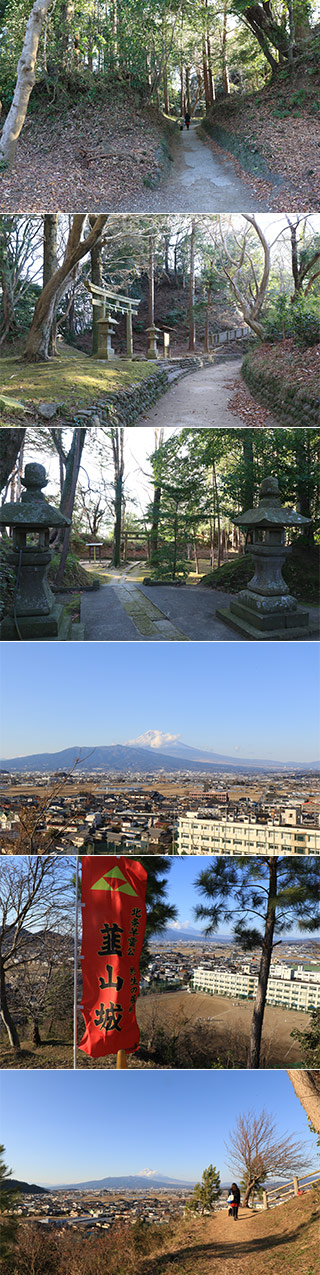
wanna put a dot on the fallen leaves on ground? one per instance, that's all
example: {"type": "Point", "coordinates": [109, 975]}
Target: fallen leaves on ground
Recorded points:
{"type": "Point", "coordinates": [91, 157]}
{"type": "Point", "coordinates": [286, 361]}
{"type": "Point", "coordinates": [287, 140]}
{"type": "Point", "coordinates": [243, 404]}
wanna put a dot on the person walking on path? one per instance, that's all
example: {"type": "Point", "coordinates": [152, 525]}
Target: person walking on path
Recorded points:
{"type": "Point", "coordinates": [233, 1201]}
{"type": "Point", "coordinates": [187, 120]}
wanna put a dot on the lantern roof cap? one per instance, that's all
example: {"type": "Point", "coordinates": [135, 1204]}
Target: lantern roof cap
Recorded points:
{"type": "Point", "coordinates": [270, 512]}
{"type": "Point", "coordinates": [33, 510]}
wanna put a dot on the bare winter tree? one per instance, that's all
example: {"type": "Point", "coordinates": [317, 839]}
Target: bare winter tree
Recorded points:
{"type": "Point", "coordinates": [306, 1085]}
{"type": "Point", "coordinates": [305, 255]}
{"type": "Point", "coordinates": [35, 899]}
{"type": "Point", "coordinates": [241, 271]}
{"type": "Point", "coordinates": [257, 1151]}
{"type": "Point", "coordinates": [25, 81]}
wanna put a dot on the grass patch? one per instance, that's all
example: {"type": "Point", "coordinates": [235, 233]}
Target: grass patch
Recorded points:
{"type": "Point", "coordinates": [72, 380]}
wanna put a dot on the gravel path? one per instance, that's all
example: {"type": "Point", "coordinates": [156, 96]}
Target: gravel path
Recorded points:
{"type": "Point", "coordinates": [196, 182]}
{"type": "Point", "coordinates": [200, 399]}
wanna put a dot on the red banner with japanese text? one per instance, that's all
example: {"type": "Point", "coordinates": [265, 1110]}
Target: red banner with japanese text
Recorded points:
{"type": "Point", "coordinates": [113, 923]}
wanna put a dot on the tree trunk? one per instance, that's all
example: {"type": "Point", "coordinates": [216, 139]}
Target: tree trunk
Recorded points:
{"type": "Point", "coordinates": [37, 346]}
{"type": "Point", "coordinates": [165, 91]}
{"type": "Point", "coordinates": [151, 282]}
{"type": "Point", "coordinates": [117, 439]}
{"type": "Point", "coordinates": [306, 1085]}
{"type": "Point", "coordinates": [50, 237]}
{"type": "Point", "coordinates": [5, 1012]}
{"type": "Point", "coordinates": [304, 458]}
{"type": "Point", "coordinates": [25, 81]}
{"type": "Point", "coordinates": [259, 1006]}
{"type": "Point", "coordinates": [217, 509]}
{"type": "Point", "coordinates": [225, 72]}
{"type": "Point", "coordinates": [248, 1190]}
{"type": "Point", "coordinates": [156, 504]}
{"type": "Point", "coordinates": [96, 278]}
{"type": "Point", "coordinates": [181, 89]}
{"type": "Point", "coordinates": [188, 90]}
{"type": "Point", "coordinates": [206, 82]}
{"type": "Point", "coordinates": [207, 321]}
{"type": "Point", "coordinates": [69, 491]}
{"type": "Point", "coordinates": [9, 323]}
{"type": "Point", "coordinates": [66, 42]}
{"type": "Point", "coordinates": [192, 334]}
{"type": "Point", "coordinates": [175, 542]}
{"type": "Point", "coordinates": [248, 483]}
{"type": "Point", "coordinates": [36, 1038]}
{"type": "Point", "coordinates": [210, 74]}
{"type": "Point", "coordinates": [11, 441]}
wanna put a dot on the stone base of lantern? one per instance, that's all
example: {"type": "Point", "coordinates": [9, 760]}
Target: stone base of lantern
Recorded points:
{"type": "Point", "coordinates": [255, 620]}
{"type": "Point", "coordinates": [56, 626]}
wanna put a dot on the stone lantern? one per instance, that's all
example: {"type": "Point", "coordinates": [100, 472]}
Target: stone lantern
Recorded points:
{"type": "Point", "coordinates": [266, 609]}
{"type": "Point", "coordinates": [33, 611]}
{"type": "Point", "coordinates": [153, 334]}
{"type": "Point", "coordinates": [106, 331]}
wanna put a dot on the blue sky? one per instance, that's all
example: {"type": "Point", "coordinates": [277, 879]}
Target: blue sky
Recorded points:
{"type": "Point", "coordinates": [181, 891]}
{"type": "Point", "coordinates": [69, 1127]}
{"type": "Point", "coordinates": [244, 700]}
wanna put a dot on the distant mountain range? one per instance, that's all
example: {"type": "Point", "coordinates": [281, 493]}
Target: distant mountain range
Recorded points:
{"type": "Point", "coordinates": [123, 758]}
{"type": "Point", "coordinates": [134, 1182]}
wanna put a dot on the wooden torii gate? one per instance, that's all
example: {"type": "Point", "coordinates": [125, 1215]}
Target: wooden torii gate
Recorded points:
{"type": "Point", "coordinates": [111, 303]}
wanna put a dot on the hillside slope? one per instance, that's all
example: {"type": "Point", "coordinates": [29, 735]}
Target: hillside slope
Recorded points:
{"type": "Point", "coordinates": [274, 133]}
{"type": "Point", "coordinates": [284, 1239]}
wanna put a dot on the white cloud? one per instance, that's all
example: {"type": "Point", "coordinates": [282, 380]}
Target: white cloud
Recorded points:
{"type": "Point", "coordinates": [154, 739]}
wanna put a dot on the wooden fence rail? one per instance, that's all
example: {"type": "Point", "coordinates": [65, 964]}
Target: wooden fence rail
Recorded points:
{"type": "Point", "coordinates": [294, 1187]}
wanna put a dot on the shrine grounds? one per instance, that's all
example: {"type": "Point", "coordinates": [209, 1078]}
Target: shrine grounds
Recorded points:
{"type": "Point", "coordinates": [176, 1028]}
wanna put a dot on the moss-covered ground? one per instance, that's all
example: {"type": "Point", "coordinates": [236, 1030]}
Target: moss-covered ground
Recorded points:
{"type": "Point", "coordinates": [73, 379]}
{"type": "Point", "coordinates": [300, 571]}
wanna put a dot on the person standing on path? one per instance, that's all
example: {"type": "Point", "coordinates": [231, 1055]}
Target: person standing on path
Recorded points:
{"type": "Point", "coordinates": [187, 120]}
{"type": "Point", "coordinates": [234, 1201]}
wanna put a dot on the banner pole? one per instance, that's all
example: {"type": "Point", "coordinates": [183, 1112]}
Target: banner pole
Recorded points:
{"type": "Point", "coordinates": [75, 972]}
{"type": "Point", "coordinates": [122, 1061]}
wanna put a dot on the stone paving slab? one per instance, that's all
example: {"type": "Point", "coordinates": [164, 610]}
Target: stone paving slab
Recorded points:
{"type": "Point", "coordinates": [149, 620]}
{"type": "Point", "coordinates": [194, 609]}
{"type": "Point", "coordinates": [104, 617]}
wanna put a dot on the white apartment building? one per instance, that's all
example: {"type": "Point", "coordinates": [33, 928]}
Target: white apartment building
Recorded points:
{"type": "Point", "coordinates": [226, 835]}
{"type": "Point", "coordinates": [281, 991]}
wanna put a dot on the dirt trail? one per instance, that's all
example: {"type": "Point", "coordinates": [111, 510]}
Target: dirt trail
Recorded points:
{"type": "Point", "coordinates": [197, 182]}
{"type": "Point", "coordinates": [262, 1243]}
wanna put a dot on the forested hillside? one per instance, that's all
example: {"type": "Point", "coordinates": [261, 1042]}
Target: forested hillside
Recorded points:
{"type": "Point", "coordinates": [110, 82]}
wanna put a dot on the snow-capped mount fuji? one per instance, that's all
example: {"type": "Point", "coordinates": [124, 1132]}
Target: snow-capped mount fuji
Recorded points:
{"type": "Point", "coordinates": [132, 758]}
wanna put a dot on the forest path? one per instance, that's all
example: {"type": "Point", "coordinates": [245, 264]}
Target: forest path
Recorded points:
{"type": "Point", "coordinates": [197, 182]}
{"type": "Point", "coordinates": [199, 399]}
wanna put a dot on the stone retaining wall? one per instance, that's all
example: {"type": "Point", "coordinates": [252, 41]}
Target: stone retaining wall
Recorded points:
{"type": "Point", "coordinates": [126, 406]}
{"type": "Point", "coordinates": [292, 406]}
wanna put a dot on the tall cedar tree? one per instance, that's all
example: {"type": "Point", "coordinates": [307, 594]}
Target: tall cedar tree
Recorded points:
{"type": "Point", "coordinates": [277, 893]}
